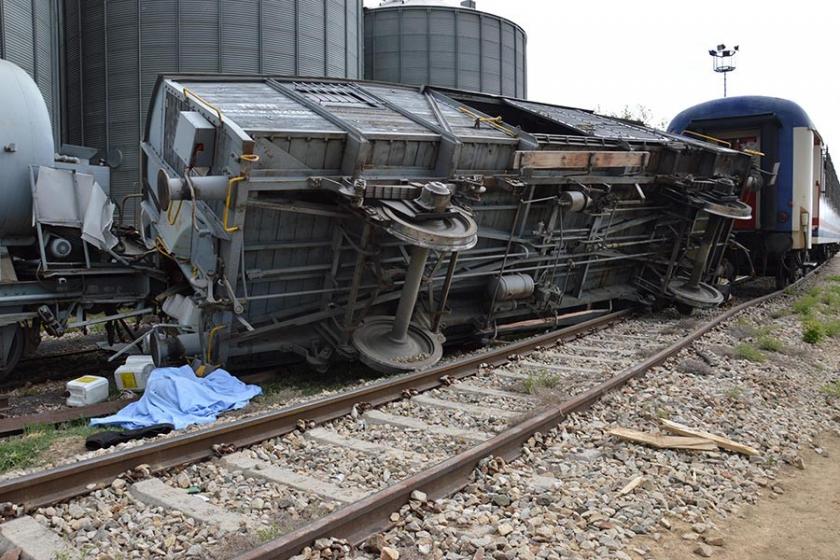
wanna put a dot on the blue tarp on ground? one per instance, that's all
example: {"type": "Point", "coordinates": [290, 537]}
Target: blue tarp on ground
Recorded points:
{"type": "Point", "coordinates": [178, 396]}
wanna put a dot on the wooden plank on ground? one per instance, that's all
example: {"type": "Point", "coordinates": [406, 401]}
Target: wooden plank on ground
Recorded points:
{"type": "Point", "coordinates": [579, 160]}
{"type": "Point", "coordinates": [723, 442]}
{"type": "Point", "coordinates": [664, 442]}
{"type": "Point", "coordinates": [632, 485]}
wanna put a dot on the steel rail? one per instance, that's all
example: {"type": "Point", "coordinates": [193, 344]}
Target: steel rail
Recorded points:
{"type": "Point", "coordinates": [370, 515]}
{"type": "Point", "coordinates": [68, 481]}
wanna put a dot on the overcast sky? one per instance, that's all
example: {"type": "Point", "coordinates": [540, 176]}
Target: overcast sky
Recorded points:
{"type": "Point", "coordinates": [611, 53]}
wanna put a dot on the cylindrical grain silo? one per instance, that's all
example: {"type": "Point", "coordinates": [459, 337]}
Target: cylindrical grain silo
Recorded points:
{"type": "Point", "coordinates": [115, 50]}
{"type": "Point", "coordinates": [424, 42]}
{"type": "Point", "coordinates": [29, 37]}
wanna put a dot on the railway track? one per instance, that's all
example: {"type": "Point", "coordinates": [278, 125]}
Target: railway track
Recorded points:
{"type": "Point", "coordinates": [337, 467]}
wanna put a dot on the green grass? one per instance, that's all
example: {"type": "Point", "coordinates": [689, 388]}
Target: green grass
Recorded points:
{"type": "Point", "coordinates": [269, 533]}
{"type": "Point", "coordinates": [806, 305]}
{"type": "Point", "coordinates": [540, 380]}
{"type": "Point", "coordinates": [831, 389]}
{"type": "Point", "coordinates": [663, 414]}
{"type": "Point", "coordinates": [770, 343]}
{"type": "Point", "coordinates": [831, 299]}
{"type": "Point", "coordinates": [832, 328]}
{"type": "Point", "coordinates": [813, 331]}
{"type": "Point", "coordinates": [819, 311]}
{"type": "Point", "coordinates": [749, 352]}
{"type": "Point", "coordinates": [29, 448]}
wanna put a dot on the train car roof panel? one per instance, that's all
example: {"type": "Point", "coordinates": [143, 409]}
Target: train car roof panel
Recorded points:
{"type": "Point", "coordinates": [590, 124]}
{"type": "Point", "coordinates": [375, 110]}
{"type": "Point", "coordinates": [788, 113]}
{"type": "Point", "coordinates": [255, 105]}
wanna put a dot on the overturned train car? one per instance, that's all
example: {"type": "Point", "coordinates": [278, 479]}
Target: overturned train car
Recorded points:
{"type": "Point", "coordinates": [338, 219]}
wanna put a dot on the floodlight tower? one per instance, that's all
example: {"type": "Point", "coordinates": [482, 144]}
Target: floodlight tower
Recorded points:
{"type": "Point", "coordinates": [724, 61]}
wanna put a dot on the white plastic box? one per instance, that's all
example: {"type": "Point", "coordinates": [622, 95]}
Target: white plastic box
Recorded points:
{"type": "Point", "coordinates": [132, 375]}
{"type": "Point", "coordinates": [90, 389]}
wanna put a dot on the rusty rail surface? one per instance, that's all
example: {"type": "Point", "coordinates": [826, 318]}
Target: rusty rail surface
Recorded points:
{"type": "Point", "coordinates": [68, 481]}
{"type": "Point", "coordinates": [370, 515]}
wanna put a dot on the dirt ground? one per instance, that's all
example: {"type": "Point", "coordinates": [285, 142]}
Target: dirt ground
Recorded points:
{"type": "Point", "coordinates": [803, 523]}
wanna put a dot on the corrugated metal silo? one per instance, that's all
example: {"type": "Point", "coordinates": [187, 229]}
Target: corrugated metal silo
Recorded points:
{"type": "Point", "coordinates": [29, 38]}
{"type": "Point", "coordinates": [116, 49]}
{"type": "Point", "coordinates": [416, 42]}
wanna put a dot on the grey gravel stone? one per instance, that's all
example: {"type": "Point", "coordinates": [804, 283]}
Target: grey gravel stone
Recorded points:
{"type": "Point", "coordinates": [704, 550]}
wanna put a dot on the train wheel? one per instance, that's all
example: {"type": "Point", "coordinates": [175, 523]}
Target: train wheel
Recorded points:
{"type": "Point", "coordinates": [12, 344]}
{"type": "Point", "coordinates": [789, 270]}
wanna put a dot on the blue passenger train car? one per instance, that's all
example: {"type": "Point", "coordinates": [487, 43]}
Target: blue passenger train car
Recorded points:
{"type": "Point", "coordinates": [796, 208]}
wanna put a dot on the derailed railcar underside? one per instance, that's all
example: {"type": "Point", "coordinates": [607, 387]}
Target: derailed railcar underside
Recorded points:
{"type": "Point", "coordinates": [337, 219]}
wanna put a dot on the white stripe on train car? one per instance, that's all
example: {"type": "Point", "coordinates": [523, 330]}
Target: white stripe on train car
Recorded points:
{"type": "Point", "coordinates": [803, 187]}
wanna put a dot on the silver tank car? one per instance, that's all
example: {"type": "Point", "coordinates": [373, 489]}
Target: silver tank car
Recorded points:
{"type": "Point", "coordinates": [60, 257]}
{"type": "Point", "coordinates": [339, 219]}
{"type": "Point", "coordinates": [27, 139]}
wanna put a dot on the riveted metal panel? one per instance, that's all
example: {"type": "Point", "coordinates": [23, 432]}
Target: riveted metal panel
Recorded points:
{"type": "Point", "coordinates": [29, 38]}
{"type": "Point", "coordinates": [445, 46]}
{"type": "Point", "coordinates": [117, 48]}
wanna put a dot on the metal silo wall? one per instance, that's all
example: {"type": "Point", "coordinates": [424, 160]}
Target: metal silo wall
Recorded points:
{"type": "Point", "coordinates": [115, 50]}
{"type": "Point", "coordinates": [445, 46]}
{"type": "Point", "coordinates": [29, 38]}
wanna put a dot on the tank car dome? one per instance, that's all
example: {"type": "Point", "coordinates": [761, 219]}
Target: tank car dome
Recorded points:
{"type": "Point", "coordinates": [27, 139]}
